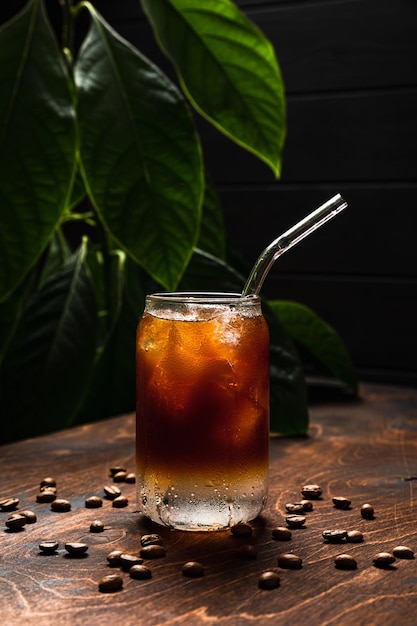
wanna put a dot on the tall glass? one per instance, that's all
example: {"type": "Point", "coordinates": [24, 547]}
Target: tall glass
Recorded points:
{"type": "Point", "coordinates": [202, 409]}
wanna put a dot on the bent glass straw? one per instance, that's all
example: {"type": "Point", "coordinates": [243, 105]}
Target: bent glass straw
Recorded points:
{"type": "Point", "coordinates": [289, 239]}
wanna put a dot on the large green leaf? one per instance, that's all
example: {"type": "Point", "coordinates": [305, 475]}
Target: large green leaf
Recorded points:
{"type": "Point", "coordinates": [37, 141]}
{"type": "Point", "coordinates": [141, 157]}
{"type": "Point", "coordinates": [320, 339]}
{"type": "Point", "coordinates": [212, 232]}
{"type": "Point", "coordinates": [228, 70]}
{"type": "Point", "coordinates": [45, 371]}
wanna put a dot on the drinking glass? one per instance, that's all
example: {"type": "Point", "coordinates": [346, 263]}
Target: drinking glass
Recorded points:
{"type": "Point", "coordinates": [202, 362]}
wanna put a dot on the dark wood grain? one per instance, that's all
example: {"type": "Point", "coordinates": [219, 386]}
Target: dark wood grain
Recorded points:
{"type": "Point", "coordinates": [365, 450]}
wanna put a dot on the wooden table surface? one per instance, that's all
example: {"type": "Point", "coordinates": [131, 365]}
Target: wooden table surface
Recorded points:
{"type": "Point", "coordinates": [364, 450]}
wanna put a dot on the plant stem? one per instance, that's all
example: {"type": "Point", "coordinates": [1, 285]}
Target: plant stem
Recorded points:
{"type": "Point", "coordinates": [67, 29]}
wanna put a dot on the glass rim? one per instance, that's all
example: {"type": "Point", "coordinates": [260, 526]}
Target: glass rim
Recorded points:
{"type": "Point", "coordinates": [204, 297]}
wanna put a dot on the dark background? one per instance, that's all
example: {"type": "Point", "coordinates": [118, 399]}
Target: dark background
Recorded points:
{"type": "Point", "coordinates": [350, 69]}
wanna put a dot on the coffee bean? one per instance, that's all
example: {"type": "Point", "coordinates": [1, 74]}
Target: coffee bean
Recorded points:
{"type": "Point", "coordinates": [312, 492]}
{"type": "Point", "coordinates": [345, 561]}
{"type": "Point", "coordinates": [9, 504]}
{"type": "Point", "coordinates": [295, 521]}
{"type": "Point", "coordinates": [367, 511]}
{"type": "Point", "coordinates": [60, 505]}
{"type": "Point", "coordinates": [153, 551]}
{"type": "Point", "coordinates": [149, 540]}
{"type": "Point", "coordinates": [16, 521]}
{"type": "Point", "coordinates": [115, 470]}
{"type": "Point", "coordinates": [30, 516]}
{"type": "Point", "coordinates": [334, 536]}
{"type": "Point", "coordinates": [383, 559]}
{"type": "Point", "coordinates": [289, 561]}
{"type": "Point", "coordinates": [269, 580]}
{"type": "Point", "coordinates": [48, 488]}
{"type": "Point", "coordinates": [130, 478]}
{"type": "Point", "coordinates": [128, 560]}
{"type": "Point", "coordinates": [47, 495]}
{"type": "Point", "coordinates": [48, 482]}
{"type": "Point", "coordinates": [192, 569]}
{"type": "Point", "coordinates": [111, 491]}
{"type": "Point", "coordinates": [93, 502]}
{"type": "Point", "coordinates": [354, 536]}
{"type": "Point", "coordinates": [140, 572]}
{"type": "Point", "coordinates": [281, 533]}
{"type": "Point", "coordinates": [307, 505]}
{"type": "Point", "coordinates": [403, 552]}
{"type": "Point", "coordinates": [247, 552]}
{"type": "Point", "coordinates": [97, 526]}
{"type": "Point", "coordinates": [76, 548]}
{"type": "Point", "coordinates": [294, 507]}
{"type": "Point", "coordinates": [120, 477]}
{"type": "Point", "coordinates": [341, 503]}
{"type": "Point", "coordinates": [48, 547]}
{"type": "Point", "coordinates": [120, 502]}
{"type": "Point", "coordinates": [241, 530]}
{"type": "Point", "coordinates": [113, 558]}
{"type": "Point", "coordinates": [111, 582]}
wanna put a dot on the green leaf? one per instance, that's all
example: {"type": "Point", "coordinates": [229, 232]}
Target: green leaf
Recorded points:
{"type": "Point", "coordinates": [228, 70]}
{"type": "Point", "coordinates": [320, 339]}
{"type": "Point", "coordinates": [37, 141]}
{"type": "Point", "coordinates": [141, 157]}
{"type": "Point", "coordinates": [44, 374]}
{"type": "Point", "coordinates": [212, 231]}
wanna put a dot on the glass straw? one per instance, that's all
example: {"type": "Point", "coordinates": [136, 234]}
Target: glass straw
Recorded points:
{"type": "Point", "coordinates": [289, 239]}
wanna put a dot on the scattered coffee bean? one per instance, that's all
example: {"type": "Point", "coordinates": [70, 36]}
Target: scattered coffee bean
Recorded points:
{"type": "Point", "coordinates": [15, 521]}
{"type": "Point", "coordinates": [111, 491]}
{"type": "Point", "coordinates": [403, 552]}
{"type": "Point", "coordinates": [111, 582]}
{"type": "Point", "coordinates": [9, 504]}
{"type": "Point", "coordinates": [311, 492]}
{"type": "Point", "coordinates": [383, 559]}
{"type": "Point", "coordinates": [120, 502]}
{"type": "Point", "coordinates": [128, 560]}
{"type": "Point", "coordinates": [149, 540]}
{"type": "Point", "coordinates": [130, 478]}
{"type": "Point", "coordinates": [113, 558]}
{"type": "Point", "coordinates": [367, 511]}
{"type": "Point", "coordinates": [97, 526]}
{"type": "Point", "coordinates": [140, 572]}
{"type": "Point", "coordinates": [93, 502]}
{"type": "Point", "coordinates": [76, 548]}
{"type": "Point", "coordinates": [30, 516]}
{"type": "Point", "coordinates": [289, 561]}
{"type": "Point", "coordinates": [48, 489]}
{"type": "Point", "coordinates": [153, 551]}
{"type": "Point", "coordinates": [60, 505]}
{"type": "Point", "coordinates": [120, 477]}
{"type": "Point", "coordinates": [345, 561]}
{"type": "Point", "coordinates": [334, 536]}
{"type": "Point", "coordinates": [48, 482]}
{"type": "Point", "coordinates": [295, 521]}
{"type": "Point", "coordinates": [47, 495]}
{"type": "Point", "coordinates": [48, 547]}
{"type": "Point", "coordinates": [269, 580]}
{"type": "Point", "coordinates": [247, 552]}
{"type": "Point", "coordinates": [281, 533]}
{"type": "Point", "coordinates": [341, 503]}
{"type": "Point", "coordinates": [192, 569]}
{"type": "Point", "coordinates": [241, 530]}
{"type": "Point", "coordinates": [294, 507]}
{"type": "Point", "coordinates": [115, 470]}
{"type": "Point", "coordinates": [354, 536]}
{"type": "Point", "coordinates": [307, 505]}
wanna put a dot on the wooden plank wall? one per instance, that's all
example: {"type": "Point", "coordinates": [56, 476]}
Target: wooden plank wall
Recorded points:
{"type": "Point", "coordinates": [350, 69]}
